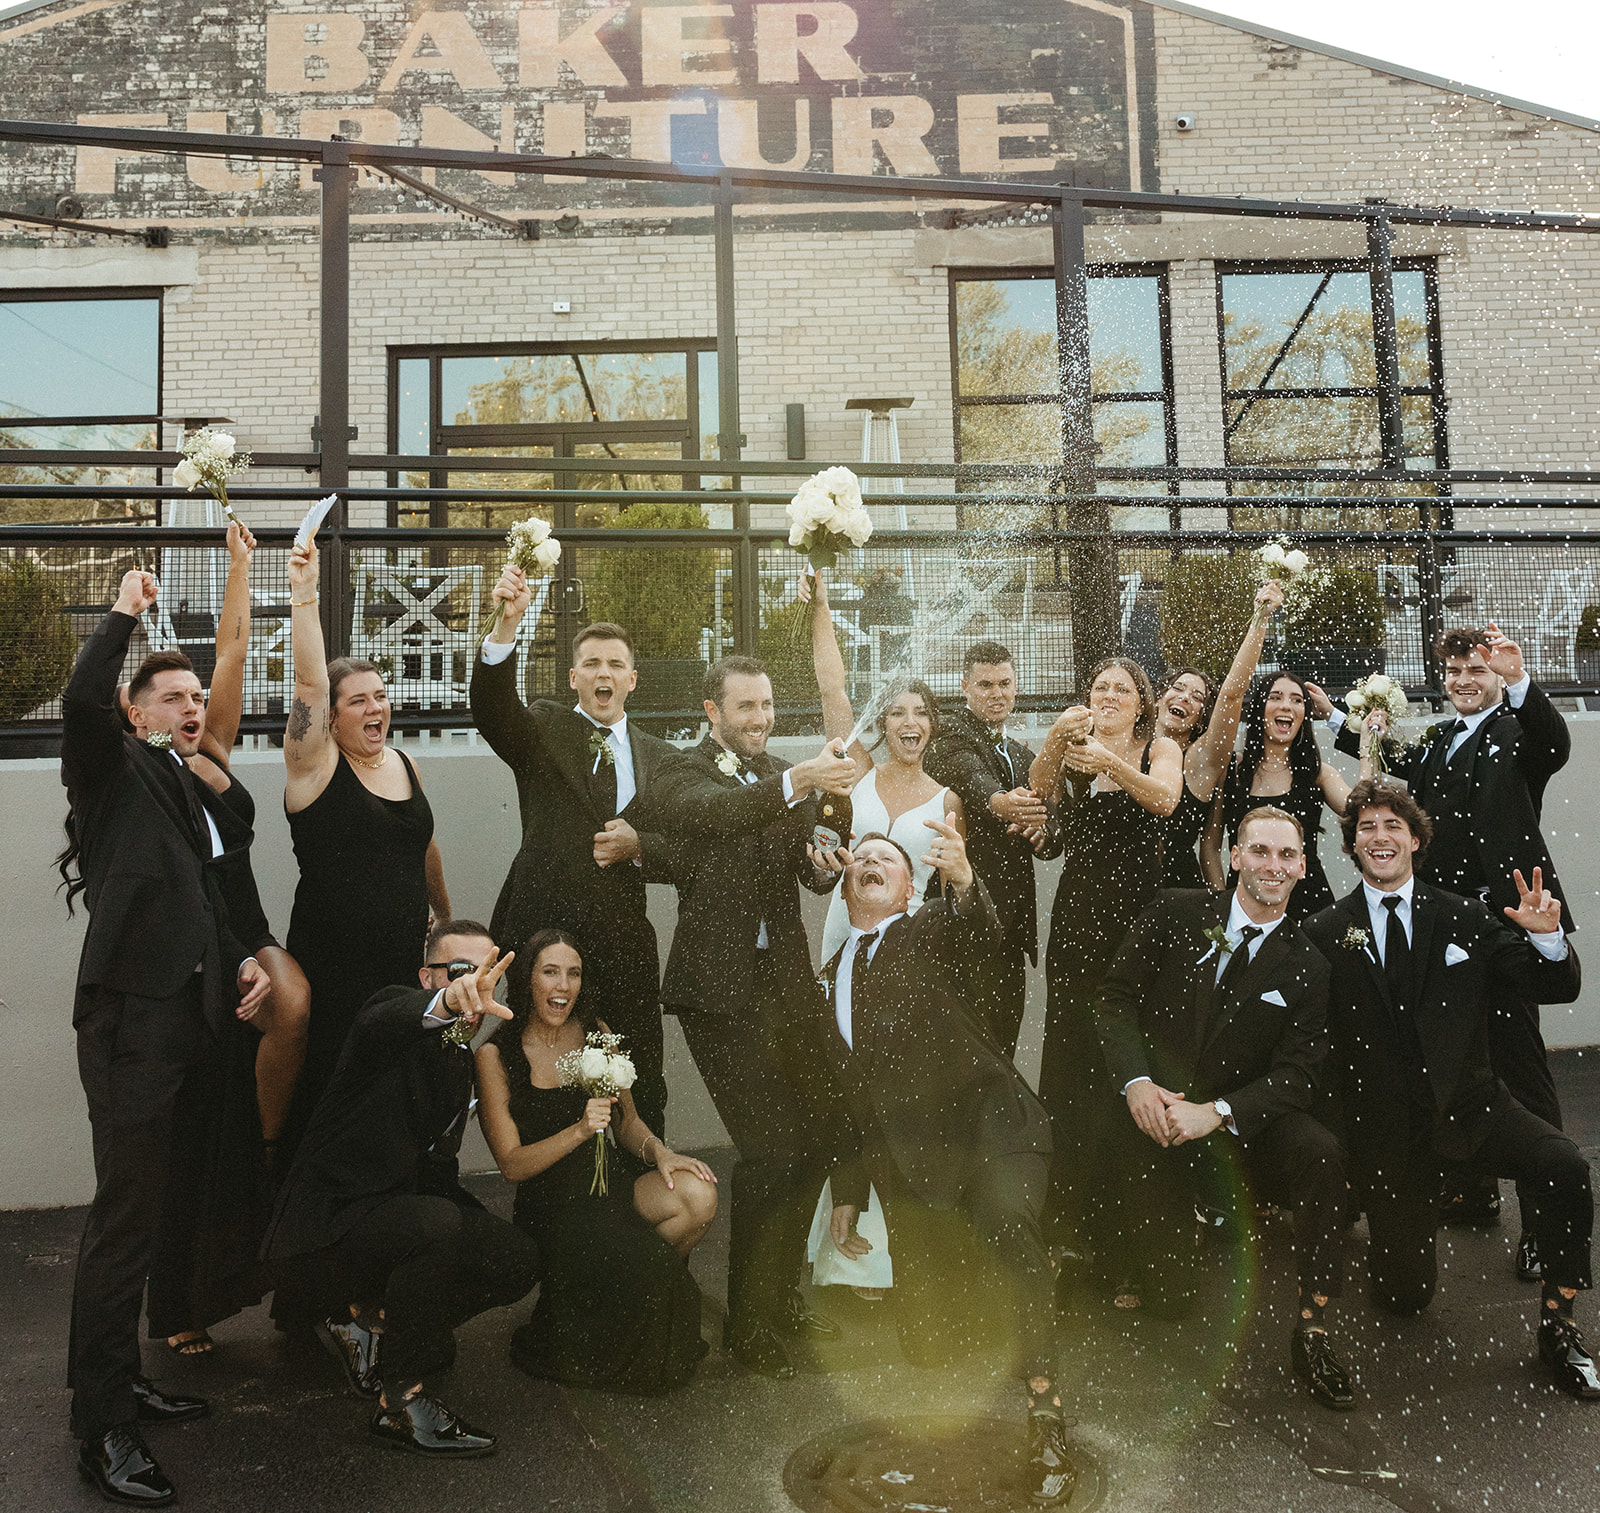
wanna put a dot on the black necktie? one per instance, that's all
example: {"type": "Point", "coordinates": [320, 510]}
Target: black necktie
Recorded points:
{"type": "Point", "coordinates": [1238, 960]}
{"type": "Point", "coordinates": [862, 959]}
{"type": "Point", "coordinates": [603, 780]}
{"type": "Point", "coordinates": [1446, 736]}
{"type": "Point", "coordinates": [1396, 953]}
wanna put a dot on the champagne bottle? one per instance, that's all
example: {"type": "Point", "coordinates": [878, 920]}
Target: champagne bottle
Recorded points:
{"type": "Point", "coordinates": [832, 829]}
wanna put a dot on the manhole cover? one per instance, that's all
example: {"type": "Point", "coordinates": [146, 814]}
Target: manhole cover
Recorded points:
{"type": "Point", "coordinates": [925, 1465]}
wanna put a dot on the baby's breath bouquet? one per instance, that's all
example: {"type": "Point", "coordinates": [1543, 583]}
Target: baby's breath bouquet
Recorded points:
{"type": "Point", "coordinates": [602, 1071]}
{"type": "Point", "coordinates": [212, 458]}
{"type": "Point", "coordinates": [533, 549]}
{"type": "Point", "coordinates": [1300, 576]}
{"type": "Point", "coordinates": [1379, 691]}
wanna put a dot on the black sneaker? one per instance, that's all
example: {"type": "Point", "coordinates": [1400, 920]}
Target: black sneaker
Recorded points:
{"type": "Point", "coordinates": [1050, 1476]}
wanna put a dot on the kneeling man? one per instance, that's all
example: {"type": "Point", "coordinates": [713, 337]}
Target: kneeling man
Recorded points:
{"type": "Point", "coordinates": [1213, 1018]}
{"type": "Point", "coordinates": [1417, 973]}
{"type": "Point", "coordinates": [372, 1221]}
{"type": "Point", "coordinates": [943, 1121]}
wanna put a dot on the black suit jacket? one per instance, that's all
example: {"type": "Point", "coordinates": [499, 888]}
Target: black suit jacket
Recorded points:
{"type": "Point", "coordinates": [1512, 756]}
{"type": "Point", "coordinates": [155, 909]}
{"type": "Point", "coordinates": [930, 1094]}
{"type": "Point", "coordinates": [965, 759]}
{"type": "Point", "coordinates": [1451, 1018]}
{"type": "Point", "coordinates": [738, 851]}
{"type": "Point", "coordinates": [555, 879]}
{"type": "Point", "coordinates": [1260, 1046]}
{"type": "Point", "coordinates": [389, 1124]}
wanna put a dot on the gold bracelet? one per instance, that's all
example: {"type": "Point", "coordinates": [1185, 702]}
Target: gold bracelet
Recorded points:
{"type": "Point", "coordinates": [645, 1145]}
{"type": "Point", "coordinates": [301, 603]}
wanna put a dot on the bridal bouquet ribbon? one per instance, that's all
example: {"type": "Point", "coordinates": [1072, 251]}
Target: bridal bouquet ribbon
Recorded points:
{"type": "Point", "coordinates": [1374, 692]}
{"type": "Point", "coordinates": [212, 458]}
{"type": "Point", "coordinates": [602, 1071]}
{"type": "Point", "coordinates": [533, 549]}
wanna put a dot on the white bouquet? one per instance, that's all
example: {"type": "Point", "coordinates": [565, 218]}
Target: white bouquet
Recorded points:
{"type": "Point", "coordinates": [602, 1071]}
{"type": "Point", "coordinates": [1279, 560]}
{"type": "Point", "coordinates": [533, 549]}
{"type": "Point", "coordinates": [1374, 692]}
{"type": "Point", "coordinates": [1300, 576]}
{"type": "Point", "coordinates": [212, 458]}
{"type": "Point", "coordinates": [826, 516]}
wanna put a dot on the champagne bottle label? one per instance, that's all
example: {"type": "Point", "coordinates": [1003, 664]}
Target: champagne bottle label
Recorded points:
{"type": "Point", "coordinates": [832, 829]}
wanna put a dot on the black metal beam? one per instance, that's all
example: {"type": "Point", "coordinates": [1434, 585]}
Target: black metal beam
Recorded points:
{"type": "Point", "coordinates": [215, 144]}
{"type": "Point", "coordinates": [333, 396]}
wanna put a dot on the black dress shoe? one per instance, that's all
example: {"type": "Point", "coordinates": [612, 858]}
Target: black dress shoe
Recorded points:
{"type": "Point", "coordinates": [424, 1425]}
{"type": "Point", "coordinates": [797, 1319]}
{"type": "Point", "coordinates": [1562, 1349]}
{"type": "Point", "coordinates": [760, 1350]}
{"type": "Point", "coordinates": [121, 1466]}
{"type": "Point", "coordinates": [1320, 1369]}
{"type": "Point", "coordinates": [1529, 1267]}
{"type": "Point", "coordinates": [1050, 1476]}
{"type": "Point", "coordinates": [356, 1351]}
{"type": "Point", "coordinates": [158, 1407]}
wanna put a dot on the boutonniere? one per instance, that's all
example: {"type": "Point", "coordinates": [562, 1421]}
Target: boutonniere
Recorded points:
{"type": "Point", "coordinates": [159, 740]}
{"type": "Point", "coordinates": [1356, 939]}
{"type": "Point", "coordinates": [825, 983]}
{"type": "Point", "coordinates": [1219, 938]}
{"type": "Point", "coordinates": [600, 747]}
{"type": "Point", "coordinates": [728, 764]}
{"type": "Point", "coordinates": [997, 733]}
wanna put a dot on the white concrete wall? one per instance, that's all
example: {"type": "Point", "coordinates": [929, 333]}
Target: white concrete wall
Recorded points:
{"type": "Point", "coordinates": [44, 1133]}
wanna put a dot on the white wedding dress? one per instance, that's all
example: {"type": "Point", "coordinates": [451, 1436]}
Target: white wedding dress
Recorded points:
{"type": "Point", "coordinates": [830, 1267]}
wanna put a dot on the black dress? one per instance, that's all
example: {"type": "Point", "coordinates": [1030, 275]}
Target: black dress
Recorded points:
{"type": "Point", "coordinates": [1111, 868]}
{"type": "Point", "coordinates": [1180, 842]}
{"type": "Point", "coordinates": [617, 1308]}
{"type": "Point", "coordinates": [1306, 803]}
{"type": "Point", "coordinates": [360, 917]}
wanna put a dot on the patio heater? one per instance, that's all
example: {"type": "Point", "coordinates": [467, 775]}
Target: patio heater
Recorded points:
{"type": "Point", "coordinates": [880, 442]}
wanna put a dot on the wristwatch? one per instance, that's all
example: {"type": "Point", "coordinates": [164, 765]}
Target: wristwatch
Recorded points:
{"type": "Point", "coordinates": [1224, 1110]}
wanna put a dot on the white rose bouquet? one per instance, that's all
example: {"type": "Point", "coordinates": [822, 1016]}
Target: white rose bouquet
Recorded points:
{"type": "Point", "coordinates": [1300, 576]}
{"type": "Point", "coordinates": [533, 549]}
{"type": "Point", "coordinates": [826, 516]}
{"type": "Point", "coordinates": [212, 458]}
{"type": "Point", "coordinates": [1374, 692]}
{"type": "Point", "coordinates": [602, 1071]}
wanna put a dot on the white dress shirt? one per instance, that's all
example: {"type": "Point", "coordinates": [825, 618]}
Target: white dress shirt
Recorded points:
{"type": "Point", "coordinates": [842, 978]}
{"type": "Point", "coordinates": [1552, 945]}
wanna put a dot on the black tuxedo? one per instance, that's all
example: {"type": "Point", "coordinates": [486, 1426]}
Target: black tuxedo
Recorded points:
{"type": "Point", "coordinates": [1417, 1086]}
{"type": "Point", "coordinates": [555, 880]}
{"type": "Point", "coordinates": [739, 849]}
{"type": "Point", "coordinates": [373, 1211]}
{"type": "Point", "coordinates": [1485, 804]}
{"type": "Point", "coordinates": [1258, 1043]}
{"type": "Point", "coordinates": [941, 1119]}
{"type": "Point", "coordinates": [176, 1139]}
{"type": "Point", "coordinates": [965, 759]}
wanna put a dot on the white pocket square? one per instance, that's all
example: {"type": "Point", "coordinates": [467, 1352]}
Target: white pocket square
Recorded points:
{"type": "Point", "coordinates": [1274, 996]}
{"type": "Point", "coordinates": [1453, 955]}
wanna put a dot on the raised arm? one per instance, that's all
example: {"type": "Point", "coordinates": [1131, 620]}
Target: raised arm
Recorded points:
{"type": "Point", "coordinates": [1207, 760]}
{"type": "Point", "coordinates": [503, 720]}
{"type": "Point", "coordinates": [309, 751]}
{"type": "Point", "coordinates": [91, 737]}
{"type": "Point", "coordinates": [838, 720]}
{"type": "Point", "coordinates": [225, 702]}
{"type": "Point", "coordinates": [1071, 728]}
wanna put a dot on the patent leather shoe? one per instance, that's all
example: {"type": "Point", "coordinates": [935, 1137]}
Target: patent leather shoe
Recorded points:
{"type": "Point", "coordinates": [158, 1407]}
{"type": "Point", "coordinates": [1050, 1475]}
{"type": "Point", "coordinates": [356, 1351]}
{"type": "Point", "coordinates": [1529, 1266]}
{"type": "Point", "coordinates": [797, 1319]}
{"type": "Point", "coordinates": [120, 1465]}
{"type": "Point", "coordinates": [1562, 1349]}
{"type": "Point", "coordinates": [760, 1350]}
{"type": "Point", "coordinates": [423, 1425]}
{"type": "Point", "coordinates": [1320, 1369]}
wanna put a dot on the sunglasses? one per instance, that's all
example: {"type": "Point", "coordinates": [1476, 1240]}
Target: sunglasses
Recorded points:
{"type": "Point", "coordinates": [453, 969]}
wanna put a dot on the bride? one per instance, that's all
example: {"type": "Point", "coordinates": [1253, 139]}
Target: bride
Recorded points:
{"type": "Point", "coordinates": [894, 798]}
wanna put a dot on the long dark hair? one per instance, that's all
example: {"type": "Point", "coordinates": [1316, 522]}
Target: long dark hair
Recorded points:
{"type": "Point", "coordinates": [1208, 703]}
{"type": "Point", "coordinates": [519, 999]}
{"type": "Point", "coordinates": [66, 862]}
{"type": "Point", "coordinates": [929, 702]}
{"type": "Point", "coordinates": [1305, 756]}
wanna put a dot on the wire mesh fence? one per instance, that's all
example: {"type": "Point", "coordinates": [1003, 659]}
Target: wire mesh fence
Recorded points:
{"type": "Point", "coordinates": [906, 605]}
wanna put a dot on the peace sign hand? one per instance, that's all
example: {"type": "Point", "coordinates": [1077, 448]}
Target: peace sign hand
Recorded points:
{"type": "Point", "coordinates": [1539, 913]}
{"type": "Point", "coordinates": [471, 997]}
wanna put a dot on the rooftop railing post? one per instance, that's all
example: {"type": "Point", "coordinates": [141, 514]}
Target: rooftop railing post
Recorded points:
{"type": "Point", "coordinates": [730, 442]}
{"type": "Point", "coordinates": [1092, 564]}
{"type": "Point", "coordinates": [333, 395]}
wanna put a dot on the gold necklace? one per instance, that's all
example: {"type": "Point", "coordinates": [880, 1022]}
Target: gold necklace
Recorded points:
{"type": "Point", "coordinates": [370, 766]}
{"type": "Point", "coordinates": [549, 1045]}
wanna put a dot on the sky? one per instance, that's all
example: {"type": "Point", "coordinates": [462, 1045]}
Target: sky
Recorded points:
{"type": "Point", "coordinates": [1544, 51]}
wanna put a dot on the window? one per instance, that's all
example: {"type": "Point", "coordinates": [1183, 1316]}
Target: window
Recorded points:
{"type": "Point", "coordinates": [1300, 381]}
{"type": "Point", "coordinates": [610, 400]}
{"type": "Point", "coordinates": [1007, 392]}
{"type": "Point", "coordinates": [78, 372]}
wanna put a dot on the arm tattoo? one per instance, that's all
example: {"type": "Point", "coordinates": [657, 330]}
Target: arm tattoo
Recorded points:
{"type": "Point", "coordinates": [299, 720]}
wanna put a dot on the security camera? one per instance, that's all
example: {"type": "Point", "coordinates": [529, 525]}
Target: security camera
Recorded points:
{"type": "Point", "coordinates": [1184, 120]}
